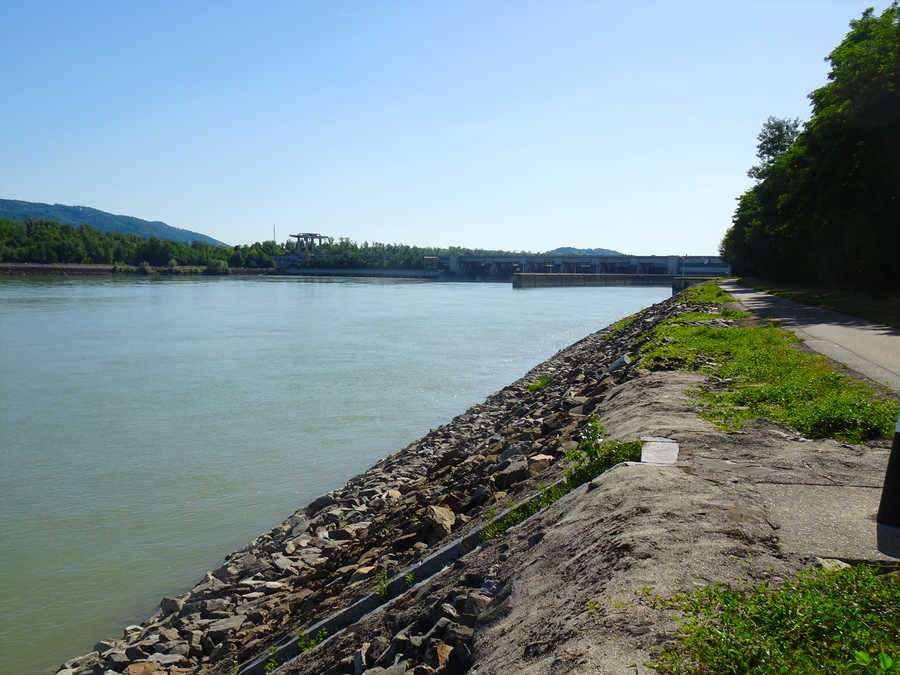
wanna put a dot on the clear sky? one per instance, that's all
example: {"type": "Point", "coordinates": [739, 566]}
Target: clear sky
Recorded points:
{"type": "Point", "coordinates": [515, 125]}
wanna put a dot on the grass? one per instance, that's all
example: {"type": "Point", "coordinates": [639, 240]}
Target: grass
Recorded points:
{"type": "Point", "coordinates": [593, 456]}
{"type": "Point", "coordinates": [706, 293]}
{"type": "Point", "coordinates": [758, 373]}
{"type": "Point", "coordinates": [883, 309]}
{"type": "Point", "coordinates": [822, 622]}
{"type": "Point", "coordinates": [542, 382]}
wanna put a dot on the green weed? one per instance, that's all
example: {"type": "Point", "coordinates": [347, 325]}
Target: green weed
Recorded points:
{"type": "Point", "coordinates": [594, 455]}
{"type": "Point", "coordinates": [410, 579]}
{"type": "Point", "coordinates": [824, 622]}
{"type": "Point", "coordinates": [381, 583]}
{"type": "Point", "coordinates": [272, 662]}
{"type": "Point", "coordinates": [305, 641]}
{"type": "Point", "coordinates": [760, 374]}
{"type": "Point", "coordinates": [542, 382]}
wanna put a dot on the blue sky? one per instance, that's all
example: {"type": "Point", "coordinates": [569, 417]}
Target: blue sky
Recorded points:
{"type": "Point", "coordinates": [515, 125]}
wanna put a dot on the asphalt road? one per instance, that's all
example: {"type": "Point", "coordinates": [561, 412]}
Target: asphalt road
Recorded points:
{"type": "Point", "coordinates": [870, 349]}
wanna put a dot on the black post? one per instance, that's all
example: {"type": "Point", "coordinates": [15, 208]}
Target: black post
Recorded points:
{"type": "Point", "coordinates": [889, 509]}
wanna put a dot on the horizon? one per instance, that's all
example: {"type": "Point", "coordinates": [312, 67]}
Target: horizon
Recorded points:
{"type": "Point", "coordinates": [472, 125]}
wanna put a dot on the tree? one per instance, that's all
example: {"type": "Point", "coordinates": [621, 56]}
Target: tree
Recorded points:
{"type": "Point", "coordinates": [827, 202]}
{"type": "Point", "coordinates": [776, 137]}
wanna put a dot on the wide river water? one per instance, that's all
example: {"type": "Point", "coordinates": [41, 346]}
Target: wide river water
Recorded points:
{"type": "Point", "coordinates": [149, 427]}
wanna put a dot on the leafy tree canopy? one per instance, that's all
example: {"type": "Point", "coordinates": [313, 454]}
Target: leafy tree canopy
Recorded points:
{"type": "Point", "coordinates": [826, 205]}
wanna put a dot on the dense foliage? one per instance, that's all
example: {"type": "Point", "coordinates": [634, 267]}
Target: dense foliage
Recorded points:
{"type": "Point", "coordinates": [349, 254]}
{"type": "Point", "coordinates": [45, 241]}
{"type": "Point", "coordinates": [826, 205]}
{"type": "Point", "coordinates": [345, 253]}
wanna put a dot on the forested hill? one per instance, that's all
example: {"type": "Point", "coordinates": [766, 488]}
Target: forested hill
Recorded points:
{"type": "Point", "coordinates": [568, 250]}
{"type": "Point", "coordinates": [105, 222]}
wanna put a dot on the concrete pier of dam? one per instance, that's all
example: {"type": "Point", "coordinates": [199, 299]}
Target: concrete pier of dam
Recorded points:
{"type": "Point", "coordinates": [538, 280]}
{"type": "Point", "coordinates": [551, 280]}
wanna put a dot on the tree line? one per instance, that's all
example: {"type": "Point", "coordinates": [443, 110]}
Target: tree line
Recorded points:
{"type": "Point", "coordinates": [46, 241]}
{"type": "Point", "coordinates": [826, 204]}
{"type": "Point", "coordinates": [345, 253]}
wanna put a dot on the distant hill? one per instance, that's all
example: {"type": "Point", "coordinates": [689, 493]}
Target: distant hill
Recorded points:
{"type": "Point", "coordinates": [568, 250]}
{"type": "Point", "coordinates": [106, 222]}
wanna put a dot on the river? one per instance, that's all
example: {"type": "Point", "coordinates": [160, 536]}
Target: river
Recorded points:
{"type": "Point", "coordinates": [149, 427]}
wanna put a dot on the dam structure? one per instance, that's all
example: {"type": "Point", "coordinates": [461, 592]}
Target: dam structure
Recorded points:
{"type": "Point", "coordinates": [527, 270]}
{"type": "Point", "coordinates": [652, 267]}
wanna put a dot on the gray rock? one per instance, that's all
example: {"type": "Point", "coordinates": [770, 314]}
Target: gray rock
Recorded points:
{"type": "Point", "coordinates": [219, 630]}
{"type": "Point", "coordinates": [516, 471]}
{"type": "Point", "coordinates": [318, 504]}
{"type": "Point", "coordinates": [441, 519]}
{"type": "Point", "coordinates": [106, 645]}
{"type": "Point", "coordinates": [134, 653]}
{"type": "Point", "coordinates": [168, 659]}
{"type": "Point", "coordinates": [377, 648]}
{"type": "Point", "coordinates": [171, 605]}
{"type": "Point", "coordinates": [514, 450]}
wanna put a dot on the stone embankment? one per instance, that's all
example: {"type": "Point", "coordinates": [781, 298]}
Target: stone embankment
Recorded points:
{"type": "Point", "coordinates": [335, 550]}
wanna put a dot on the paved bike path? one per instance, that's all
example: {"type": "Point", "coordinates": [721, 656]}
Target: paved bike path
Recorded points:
{"type": "Point", "coordinates": [868, 348]}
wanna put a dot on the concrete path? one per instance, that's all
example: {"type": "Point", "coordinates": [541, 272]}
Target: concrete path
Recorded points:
{"type": "Point", "coordinates": [870, 349]}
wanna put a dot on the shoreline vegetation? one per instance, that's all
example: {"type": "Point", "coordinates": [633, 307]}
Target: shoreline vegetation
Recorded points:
{"type": "Point", "coordinates": [45, 242]}
{"type": "Point", "coordinates": [824, 207]}
{"type": "Point", "coordinates": [495, 456]}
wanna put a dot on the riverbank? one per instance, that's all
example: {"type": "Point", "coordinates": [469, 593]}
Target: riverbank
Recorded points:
{"type": "Point", "coordinates": [72, 269]}
{"type": "Point", "coordinates": [447, 483]}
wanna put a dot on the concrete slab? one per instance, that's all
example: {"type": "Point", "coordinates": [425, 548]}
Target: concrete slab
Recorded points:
{"type": "Point", "coordinates": [827, 521]}
{"type": "Point", "coordinates": [657, 450]}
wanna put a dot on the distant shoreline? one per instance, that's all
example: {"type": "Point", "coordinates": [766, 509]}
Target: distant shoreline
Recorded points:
{"type": "Point", "coordinates": [76, 269]}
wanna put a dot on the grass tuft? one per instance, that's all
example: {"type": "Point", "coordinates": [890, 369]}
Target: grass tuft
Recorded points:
{"type": "Point", "coordinates": [824, 622]}
{"type": "Point", "coordinates": [542, 382]}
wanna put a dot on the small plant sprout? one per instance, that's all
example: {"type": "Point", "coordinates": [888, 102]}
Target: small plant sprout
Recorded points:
{"type": "Point", "coordinates": [305, 641]}
{"type": "Point", "coordinates": [410, 579]}
{"type": "Point", "coordinates": [272, 663]}
{"type": "Point", "coordinates": [591, 605]}
{"type": "Point", "coordinates": [381, 583]}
